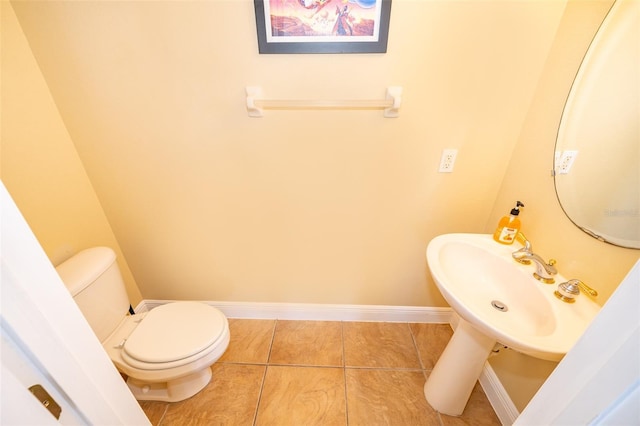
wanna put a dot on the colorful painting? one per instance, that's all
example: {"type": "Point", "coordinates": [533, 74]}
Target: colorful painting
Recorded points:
{"type": "Point", "coordinates": [322, 26]}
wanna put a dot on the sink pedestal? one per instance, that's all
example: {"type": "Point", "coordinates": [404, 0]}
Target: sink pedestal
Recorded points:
{"type": "Point", "coordinates": [455, 374]}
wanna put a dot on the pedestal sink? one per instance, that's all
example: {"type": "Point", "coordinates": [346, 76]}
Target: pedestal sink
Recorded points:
{"type": "Point", "coordinates": [497, 300]}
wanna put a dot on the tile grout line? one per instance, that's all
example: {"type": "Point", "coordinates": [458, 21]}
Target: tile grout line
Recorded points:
{"type": "Point", "coordinates": [164, 413]}
{"type": "Point", "coordinates": [424, 370]}
{"type": "Point", "coordinates": [415, 346]}
{"type": "Point", "coordinates": [273, 338]}
{"type": "Point", "coordinates": [350, 367]}
{"type": "Point", "coordinates": [344, 374]}
{"type": "Point", "coordinates": [264, 376]}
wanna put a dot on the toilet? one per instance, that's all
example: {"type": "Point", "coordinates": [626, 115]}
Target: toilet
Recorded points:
{"type": "Point", "coordinates": [165, 353]}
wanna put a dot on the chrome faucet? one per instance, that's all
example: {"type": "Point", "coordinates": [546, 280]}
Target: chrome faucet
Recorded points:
{"type": "Point", "coordinates": [527, 248]}
{"type": "Point", "coordinates": [544, 271]}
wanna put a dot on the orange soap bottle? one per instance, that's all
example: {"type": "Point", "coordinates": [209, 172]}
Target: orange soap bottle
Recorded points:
{"type": "Point", "coordinates": [508, 226]}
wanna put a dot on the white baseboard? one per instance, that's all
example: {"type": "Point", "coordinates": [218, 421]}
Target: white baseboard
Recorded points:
{"type": "Point", "coordinates": [322, 312]}
{"type": "Point", "coordinates": [496, 393]}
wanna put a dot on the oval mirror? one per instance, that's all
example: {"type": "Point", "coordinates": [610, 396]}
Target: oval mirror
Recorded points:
{"type": "Point", "coordinates": [597, 158]}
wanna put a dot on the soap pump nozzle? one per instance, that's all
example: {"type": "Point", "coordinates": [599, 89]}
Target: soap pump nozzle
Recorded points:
{"type": "Point", "coordinates": [516, 210]}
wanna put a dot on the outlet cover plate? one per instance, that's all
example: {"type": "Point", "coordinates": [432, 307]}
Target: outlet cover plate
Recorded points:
{"type": "Point", "coordinates": [448, 160]}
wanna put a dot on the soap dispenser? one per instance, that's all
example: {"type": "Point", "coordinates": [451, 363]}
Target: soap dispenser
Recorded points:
{"type": "Point", "coordinates": [508, 226]}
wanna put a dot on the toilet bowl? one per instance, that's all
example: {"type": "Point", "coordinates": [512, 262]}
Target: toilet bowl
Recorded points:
{"type": "Point", "coordinates": [165, 353]}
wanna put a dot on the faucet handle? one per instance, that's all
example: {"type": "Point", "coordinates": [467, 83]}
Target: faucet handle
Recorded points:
{"type": "Point", "coordinates": [569, 290]}
{"type": "Point", "coordinates": [585, 288]}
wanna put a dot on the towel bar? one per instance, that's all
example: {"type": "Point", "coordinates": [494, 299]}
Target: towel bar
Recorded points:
{"type": "Point", "coordinates": [256, 105]}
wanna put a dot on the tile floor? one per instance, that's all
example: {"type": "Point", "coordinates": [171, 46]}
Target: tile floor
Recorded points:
{"type": "Point", "coordinates": [322, 373]}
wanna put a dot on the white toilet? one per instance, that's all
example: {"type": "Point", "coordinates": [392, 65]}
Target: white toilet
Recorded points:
{"type": "Point", "coordinates": [166, 352]}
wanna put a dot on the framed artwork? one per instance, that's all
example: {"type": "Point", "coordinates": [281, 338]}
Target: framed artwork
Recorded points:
{"type": "Point", "coordinates": [322, 26]}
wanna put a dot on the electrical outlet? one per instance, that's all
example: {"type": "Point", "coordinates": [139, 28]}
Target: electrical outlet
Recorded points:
{"type": "Point", "coordinates": [566, 161]}
{"type": "Point", "coordinates": [556, 158]}
{"type": "Point", "coordinates": [447, 160]}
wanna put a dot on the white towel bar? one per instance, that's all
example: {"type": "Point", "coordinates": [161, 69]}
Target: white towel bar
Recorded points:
{"type": "Point", "coordinates": [256, 105]}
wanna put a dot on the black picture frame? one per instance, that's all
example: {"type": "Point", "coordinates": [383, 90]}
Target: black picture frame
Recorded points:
{"type": "Point", "coordinates": [278, 42]}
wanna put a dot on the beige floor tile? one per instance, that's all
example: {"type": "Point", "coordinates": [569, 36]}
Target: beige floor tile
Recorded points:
{"type": "Point", "coordinates": [190, 421]}
{"type": "Point", "coordinates": [230, 398]}
{"type": "Point", "coordinates": [387, 397]}
{"type": "Point", "coordinates": [302, 396]}
{"type": "Point", "coordinates": [291, 394]}
{"type": "Point", "coordinates": [431, 339]}
{"type": "Point", "coordinates": [379, 344]}
{"type": "Point", "coordinates": [478, 412]}
{"type": "Point", "coordinates": [154, 410]}
{"type": "Point", "coordinates": [307, 343]}
{"type": "Point", "coordinates": [250, 341]}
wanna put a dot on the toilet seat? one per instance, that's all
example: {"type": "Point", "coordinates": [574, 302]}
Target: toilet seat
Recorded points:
{"type": "Point", "coordinates": [173, 335]}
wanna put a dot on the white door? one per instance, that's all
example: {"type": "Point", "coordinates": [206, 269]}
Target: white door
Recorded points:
{"type": "Point", "coordinates": [45, 340]}
{"type": "Point", "coordinates": [18, 404]}
{"type": "Point", "coordinates": [598, 381]}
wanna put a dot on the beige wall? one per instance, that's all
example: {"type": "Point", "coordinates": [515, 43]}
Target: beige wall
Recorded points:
{"type": "Point", "coordinates": [39, 164]}
{"type": "Point", "coordinates": [321, 207]}
{"type": "Point", "coordinates": [324, 207]}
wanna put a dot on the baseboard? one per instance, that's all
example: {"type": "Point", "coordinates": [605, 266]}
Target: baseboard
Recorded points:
{"type": "Point", "coordinates": [496, 393]}
{"type": "Point", "coordinates": [498, 396]}
{"type": "Point", "coordinates": [322, 312]}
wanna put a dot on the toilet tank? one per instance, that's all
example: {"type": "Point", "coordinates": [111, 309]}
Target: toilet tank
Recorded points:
{"type": "Point", "coordinates": [93, 278]}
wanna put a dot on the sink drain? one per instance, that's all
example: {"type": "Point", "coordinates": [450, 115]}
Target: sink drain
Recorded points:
{"type": "Point", "coordinates": [499, 306]}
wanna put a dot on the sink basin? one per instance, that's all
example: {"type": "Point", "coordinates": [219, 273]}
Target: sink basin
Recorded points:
{"type": "Point", "coordinates": [472, 271]}
{"type": "Point", "coordinates": [498, 301]}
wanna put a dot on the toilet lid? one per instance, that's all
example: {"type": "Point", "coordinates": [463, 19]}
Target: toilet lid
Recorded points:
{"type": "Point", "coordinates": [175, 331]}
